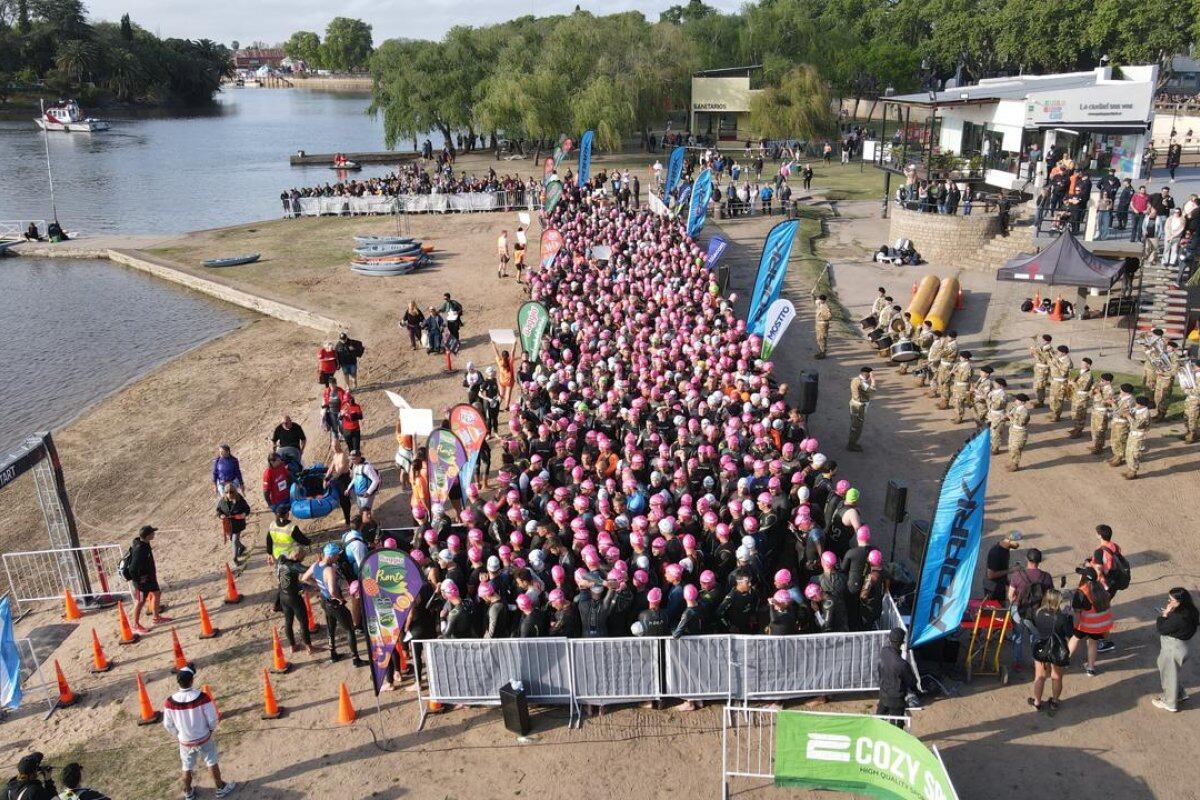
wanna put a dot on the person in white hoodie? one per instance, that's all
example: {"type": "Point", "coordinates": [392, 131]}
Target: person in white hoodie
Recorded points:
{"type": "Point", "coordinates": [190, 716]}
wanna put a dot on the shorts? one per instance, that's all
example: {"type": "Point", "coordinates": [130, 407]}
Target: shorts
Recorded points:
{"type": "Point", "coordinates": [350, 370]}
{"type": "Point", "coordinates": [1097, 636]}
{"type": "Point", "coordinates": [190, 755]}
{"type": "Point", "coordinates": [147, 585]}
{"type": "Point", "coordinates": [365, 501]}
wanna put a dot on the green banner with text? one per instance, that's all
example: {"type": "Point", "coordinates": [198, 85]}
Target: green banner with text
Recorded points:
{"type": "Point", "coordinates": [856, 753]}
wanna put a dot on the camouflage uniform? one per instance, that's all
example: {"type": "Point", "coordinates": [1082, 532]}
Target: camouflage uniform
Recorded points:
{"type": "Point", "coordinates": [1018, 424]}
{"type": "Point", "coordinates": [824, 315]}
{"type": "Point", "coordinates": [1164, 382]}
{"type": "Point", "coordinates": [1139, 423]}
{"type": "Point", "coordinates": [1042, 356]}
{"type": "Point", "coordinates": [910, 333]}
{"type": "Point", "coordinates": [1191, 413]}
{"type": "Point", "coordinates": [945, 367]}
{"type": "Point", "coordinates": [979, 398]}
{"type": "Point", "coordinates": [1119, 428]}
{"type": "Point", "coordinates": [997, 401]}
{"type": "Point", "coordinates": [1060, 371]}
{"type": "Point", "coordinates": [860, 398]}
{"type": "Point", "coordinates": [960, 379]}
{"type": "Point", "coordinates": [1103, 399]}
{"type": "Point", "coordinates": [1081, 395]}
{"type": "Point", "coordinates": [933, 355]}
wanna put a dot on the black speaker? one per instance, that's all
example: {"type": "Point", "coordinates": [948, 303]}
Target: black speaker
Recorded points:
{"type": "Point", "coordinates": [514, 707]}
{"type": "Point", "coordinates": [896, 502]}
{"type": "Point", "coordinates": [808, 392]}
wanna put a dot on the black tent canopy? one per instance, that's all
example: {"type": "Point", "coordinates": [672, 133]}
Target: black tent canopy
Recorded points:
{"type": "Point", "coordinates": [1066, 262]}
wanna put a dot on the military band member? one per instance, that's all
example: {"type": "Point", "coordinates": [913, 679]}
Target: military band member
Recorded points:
{"type": "Point", "coordinates": [979, 395]}
{"type": "Point", "coordinates": [933, 356]}
{"type": "Point", "coordinates": [1149, 348]}
{"type": "Point", "coordinates": [1139, 423]}
{"type": "Point", "coordinates": [1018, 424]}
{"type": "Point", "coordinates": [997, 403]}
{"type": "Point", "coordinates": [1104, 398]}
{"type": "Point", "coordinates": [861, 389]}
{"type": "Point", "coordinates": [926, 338]}
{"type": "Point", "coordinates": [1042, 354]}
{"type": "Point", "coordinates": [882, 301]}
{"type": "Point", "coordinates": [1118, 425]}
{"type": "Point", "coordinates": [823, 316]}
{"type": "Point", "coordinates": [960, 384]}
{"type": "Point", "coordinates": [1164, 380]}
{"type": "Point", "coordinates": [945, 367]}
{"type": "Point", "coordinates": [1081, 396]}
{"type": "Point", "coordinates": [1060, 372]}
{"type": "Point", "coordinates": [886, 315]}
{"type": "Point", "coordinates": [910, 333]}
{"type": "Point", "coordinates": [1191, 410]}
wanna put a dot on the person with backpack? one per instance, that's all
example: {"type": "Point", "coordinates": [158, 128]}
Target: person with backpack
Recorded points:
{"type": "Point", "coordinates": [329, 573]}
{"type": "Point", "coordinates": [1112, 567]}
{"type": "Point", "coordinates": [1093, 615]}
{"type": "Point", "coordinates": [1052, 629]}
{"type": "Point", "coordinates": [72, 776]}
{"type": "Point", "coordinates": [349, 351]}
{"type": "Point", "coordinates": [995, 582]}
{"type": "Point", "coordinates": [138, 568]}
{"type": "Point", "coordinates": [1026, 588]}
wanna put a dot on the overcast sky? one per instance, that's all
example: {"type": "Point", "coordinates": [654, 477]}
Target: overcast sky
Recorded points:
{"type": "Point", "coordinates": [274, 20]}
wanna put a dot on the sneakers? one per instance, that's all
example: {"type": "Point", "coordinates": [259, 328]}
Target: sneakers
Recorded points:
{"type": "Point", "coordinates": [1158, 702]}
{"type": "Point", "coordinates": [1091, 671]}
{"type": "Point", "coordinates": [141, 630]}
{"type": "Point", "coordinates": [1105, 645]}
{"type": "Point", "coordinates": [229, 788]}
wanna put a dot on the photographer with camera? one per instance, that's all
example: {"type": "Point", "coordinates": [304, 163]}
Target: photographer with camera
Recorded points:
{"type": "Point", "coordinates": [27, 785]}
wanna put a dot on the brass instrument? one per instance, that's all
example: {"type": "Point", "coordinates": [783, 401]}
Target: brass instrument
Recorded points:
{"type": "Point", "coordinates": [1156, 350]}
{"type": "Point", "coordinates": [1187, 376]}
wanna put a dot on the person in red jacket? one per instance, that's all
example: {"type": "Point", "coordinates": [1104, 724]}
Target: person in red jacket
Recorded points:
{"type": "Point", "coordinates": [327, 363]}
{"type": "Point", "coordinates": [350, 416]}
{"type": "Point", "coordinates": [275, 483]}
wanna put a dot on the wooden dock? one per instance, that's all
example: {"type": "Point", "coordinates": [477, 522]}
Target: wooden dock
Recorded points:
{"type": "Point", "coordinates": [306, 159]}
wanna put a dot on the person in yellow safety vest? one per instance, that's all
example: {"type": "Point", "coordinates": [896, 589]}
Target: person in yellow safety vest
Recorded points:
{"type": "Point", "coordinates": [283, 535]}
{"type": "Point", "coordinates": [1093, 615]}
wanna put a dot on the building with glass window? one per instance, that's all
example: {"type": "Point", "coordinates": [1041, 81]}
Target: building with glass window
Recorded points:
{"type": "Point", "coordinates": [720, 107]}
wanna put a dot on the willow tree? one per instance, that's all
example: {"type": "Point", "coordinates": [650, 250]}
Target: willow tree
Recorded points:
{"type": "Point", "coordinates": [798, 107]}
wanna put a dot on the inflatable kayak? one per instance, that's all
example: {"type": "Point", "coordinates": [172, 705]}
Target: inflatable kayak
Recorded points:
{"type": "Point", "coordinates": [311, 499]}
{"type": "Point", "coordinates": [232, 261]}
{"type": "Point", "coordinates": [349, 166]}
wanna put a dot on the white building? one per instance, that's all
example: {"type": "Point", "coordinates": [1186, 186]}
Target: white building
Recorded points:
{"type": "Point", "coordinates": [1101, 118]}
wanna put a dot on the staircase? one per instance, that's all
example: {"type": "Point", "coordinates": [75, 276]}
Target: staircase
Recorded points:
{"type": "Point", "coordinates": [1163, 301]}
{"type": "Point", "coordinates": [997, 252]}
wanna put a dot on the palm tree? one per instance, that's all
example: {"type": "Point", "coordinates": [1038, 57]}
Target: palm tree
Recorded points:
{"type": "Point", "coordinates": [76, 59]}
{"type": "Point", "coordinates": [124, 74]}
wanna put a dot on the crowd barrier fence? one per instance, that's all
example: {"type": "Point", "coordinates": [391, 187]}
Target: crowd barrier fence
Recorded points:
{"type": "Point", "coordinates": [556, 671]}
{"type": "Point", "coordinates": [465, 202]}
{"type": "Point", "coordinates": [44, 575]}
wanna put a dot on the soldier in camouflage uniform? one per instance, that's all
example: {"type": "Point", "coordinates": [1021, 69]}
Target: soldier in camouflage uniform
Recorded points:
{"type": "Point", "coordinates": [1081, 396]}
{"type": "Point", "coordinates": [1060, 372]}
{"type": "Point", "coordinates": [979, 395]}
{"type": "Point", "coordinates": [1164, 381]}
{"type": "Point", "coordinates": [1104, 397]}
{"type": "Point", "coordinates": [910, 333]}
{"type": "Point", "coordinates": [861, 389]}
{"type": "Point", "coordinates": [1149, 372]}
{"type": "Point", "coordinates": [1191, 411]}
{"type": "Point", "coordinates": [1139, 423]}
{"type": "Point", "coordinates": [945, 367]}
{"type": "Point", "coordinates": [1118, 425]}
{"type": "Point", "coordinates": [823, 316]}
{"type": "Point", "coordinates": [1042, 354]}
{"type": "Point", "coordinates": [1018, 435]}
{"type": "Point", "coordinates": [997, 403]}
{"type": "Point", "coordinates": [933, 356]}
{"type": "Point", "coordinates": [960, 384]}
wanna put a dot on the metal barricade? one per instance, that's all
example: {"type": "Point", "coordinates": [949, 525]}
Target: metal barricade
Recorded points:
{"type": "Point", "coordinates": [616, 670]}
{"type": "Point", "coordinates": [822, 663]}
{"type": "Point", "coordinates": [703, 667]}
{"type": "Point", "coordinates": [45, 575]}
{"type": "Point", "coordinates": [462, 202]}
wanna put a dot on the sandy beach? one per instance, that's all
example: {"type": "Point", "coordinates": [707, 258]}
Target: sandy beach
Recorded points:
{"type": "Point", "coordinates": [144, 456]}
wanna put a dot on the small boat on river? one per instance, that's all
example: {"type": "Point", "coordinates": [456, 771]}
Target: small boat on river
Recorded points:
{"type": "Point", "coordinates": [66, 116]}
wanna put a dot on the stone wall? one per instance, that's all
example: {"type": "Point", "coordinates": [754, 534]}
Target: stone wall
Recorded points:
{"type": "Point", "coordinates": [942, 238]}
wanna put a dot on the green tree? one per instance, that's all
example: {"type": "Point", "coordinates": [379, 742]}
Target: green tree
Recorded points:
{"type": "Point", "coordinates": [347, 44]}
{"type": "Point", "coordinates": [306, 46]}
{"type": "Point", "coordinates": [407, 89]}
{"type": "Point", "coordinates": [76, 59]}
{"type": "Point", "coordinates": [798, 107]}
{"type": "Point", "coordinates": [126, 28]}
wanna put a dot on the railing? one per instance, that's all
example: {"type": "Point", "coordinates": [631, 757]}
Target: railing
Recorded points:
{"type": "Point", "coordinates": [557, 671]}
{"type": "Point", "coordinates": [15, 228]}
{"type": "Point", "coordinates": [978, 205]}
{"type": "Point", "coordinates": [464, 202]}
{"type": "Point", "coordinates": [44, 575]}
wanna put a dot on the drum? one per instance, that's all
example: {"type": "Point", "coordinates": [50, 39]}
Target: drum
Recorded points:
{"type": "Point", "coordinates": [904, 350]}
{"type": "Point", "coordinates": [868, 323]}
{"type": "Point", "coordinates": [884, 342]}
{"type": "Point", "coordinates": [875, 335]}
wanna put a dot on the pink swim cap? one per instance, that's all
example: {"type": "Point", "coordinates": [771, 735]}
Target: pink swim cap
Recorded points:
{"type": "Point", "coordinates": [812, 591]}
{"type": "Point", "coordinates": [781, 598]}
{"type": "Point", "coordinates": [875, 558]}
{"type": "Point", "coordinates": [864, 534]}
{"type": "Point", "coordinates": [654, 596]}
{"type": "Point", "coordinates": [486, 590]}
{"type": "Point", "coordinates": [524, 602]}
{"type": "Point", "coordinates": [783, 579]}
{"type": "Point", "coordinates": [673, 572]}
{"type": "Point", "coordinates": [556, 596]}
{"type": "Point", "coordinates": [828, 559]}
{"type": "Point", "coordinates": [690, 593]}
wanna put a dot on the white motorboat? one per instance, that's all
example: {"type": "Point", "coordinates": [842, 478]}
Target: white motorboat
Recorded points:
{"type": "Point", "coordinates": [66, 116]}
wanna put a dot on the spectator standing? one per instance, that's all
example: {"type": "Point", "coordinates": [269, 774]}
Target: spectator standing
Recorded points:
{"type": "Point", "coordinates": [1093, 615]}
{"type": "Point", "coordinates": [276, 482]}
{"type": "Point", "coordinates": [1026, 588]}
{"type": "Point", "coordinates": [364, 479]}
{"type": "Point", "coordinates": [452, 312]}
{"type": "Point", "coordinates": [435, 329]}
{"type": "Point", "coordinates": [896, 679]}
{"type": "Point", "coordinates": [1176, 625]}
{"type": "Point", "coordinates": [26, 785]}
{"type": "Point", "coordinates": [1051, 651]}
{"type": "Point", "coordinates": [327, 363]}
{"type": "Point", "coordinates": [349, 351]}
{"type": "Point", "coordinates": [350, 417]}
{"type": "Point", "coordinates": [414, 323]}
{"type": "Point", "coordinates": [1138, 204]}
{"type": "Point", "coordinates": [1110, 564]}
{"type": "Point", "coordinates": [232, 510]}
{"type": "Point", "coordinates": [143, 573]}
{"type": "Point", "coordinates": [226, 469]}
{"type": "Point", "coordinates": [502, 253]}
{"type": "Point", "coordinates": [995, 583]}
{"type": "Point", "coordinates": [289, 440]}
{"type": "Point", "coordinates": [191, 717]}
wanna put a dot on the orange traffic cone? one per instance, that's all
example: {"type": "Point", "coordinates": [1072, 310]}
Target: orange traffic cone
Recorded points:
{"type": "Point", "coordinates": [449, 363]}
{"type": "Point", "coordinates": [232, 597]}
{"type": "Point", "coordinates": [127, 634]}
{"type": "Point", "coordinates": [100, 662]}
{"type": "Point", "coordinates": [208, 691]}
{"type": "Point", "coordinates": [207, 631]}
{"type": "Point", "coordinates": [279, 662]}
{"type": "Point", "coordinates": [71, 612]}
{"type": "Point", "coordinates": [308, 612]}
{"type": "Point", "coordinates": [1056, 313]}
{"type": "Point", "coordinates": [1037, 301]}
{"type": "Point", "coordinates": [959, 305]}
{"type": "Point", "coordinates": [66, 697]}
{"type": "Point", "coordinates": [403, 659]}
{"type": "Point", "coordinates": [434, 706]}
{"type": "Point", "coordinates": [180, 659]}
{"type": "Point", "coordinates": [271, 709]}
{"type": "Point", "coordinates": [146, 713]}
{"type": "Point", "coordinates": [345, 713]}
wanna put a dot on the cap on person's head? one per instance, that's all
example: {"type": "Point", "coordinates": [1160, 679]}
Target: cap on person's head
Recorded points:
{"type": "Point", "coordinates": [1033, 555]}
{"type": "Point", "coordinates": [853, 495]}
{"type": "Point", "coordinates": [897, 636]}
{"type": "Point", "coordinates": [866, 370]}
{"type": "Point", "coordinates": [30, 763]}
{"type": "Point", "coordinates": [186, 675]}
{"type": "Point", "coordinates": [147, 530]}
{"type": "Point", "coordinates": [1013, 536]}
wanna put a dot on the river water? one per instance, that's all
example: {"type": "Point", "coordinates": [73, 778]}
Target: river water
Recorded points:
{"type": "Point", "coordinates": [72, 332]}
